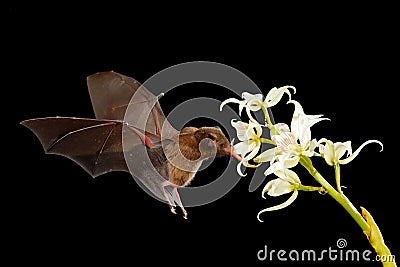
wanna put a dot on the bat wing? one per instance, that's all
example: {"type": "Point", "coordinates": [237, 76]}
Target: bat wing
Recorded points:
{"type": "Point", "coordinates": [117, 97]}
{"type": "Point", "coordinates": [127, 116]}
{"type": "Point", "coordinates": [112, 94]}
{"type": "Point", "coordinates": [96, 145]}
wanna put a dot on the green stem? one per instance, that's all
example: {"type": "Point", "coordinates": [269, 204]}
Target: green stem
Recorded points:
{"type": "Point", "coordinates": [268, 121]}
{"type": "Point", "coordinates": [266, 115]}
{"type": "Point", "coordinates": [310, 188]}
{"type": "Point", "coordinates": [365, 221]}
{"type": "Point", "coordinates": [340, 198]}
{"type": "Point", "coordinates": [337, 177]}
{"type": "Point", "coordinates": [267, 141]}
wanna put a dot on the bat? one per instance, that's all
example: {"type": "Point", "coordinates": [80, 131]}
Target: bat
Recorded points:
{"type": "Point", "coordinates": [131, 133]}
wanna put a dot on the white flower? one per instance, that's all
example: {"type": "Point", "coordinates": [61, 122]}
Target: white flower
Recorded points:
{"type": "Point", "coordinates": [333, 152]}
{"type": "Point", "coordinates": [291, 143]}
{"type": "Point", "coordinates": [255, 102]}
{"type": "Point", "coordinates": [250, 136]}
{"type": "Point", "coordinates": [287, 182]}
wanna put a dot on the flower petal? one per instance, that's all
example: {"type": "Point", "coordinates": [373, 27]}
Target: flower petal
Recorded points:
{"type": "Point", "coordinates": [311, 149]}
{"type": "Point", "coordinates": [352, 156]}
{"type": "Point", "coordinates": [242, 148]}
{"type": "Point", "coordinates": [301, 123]}
{"type": "Point", "coordinates": [241, 129]}
{"type": "Point", "coordinates": [313, 144]}
{"type": "Point", "coordinates": [250, 97]}
{"type": "Point", "coordinates": [288, 175]}
{"type": "Point", "coordinates": [266, 156]}
{"type": "Point", "coordinates": [253, 152]}
{"type": "Point", "coordinates": [282, 127]}
{"type": "Point", "coordinates": [285, 141]}
{"type": "Point", "coordinates": [275, 95]}
{"type": "Point", "coordinates": [341, 148]}
{"type": "Point", "coordinates": [277, 187]}
{"type": "Point", "coordinates": [253, 102]}
{"type": "Point", "coordinates": [285, 161]}
{"type": "Point", "coordinates": [251, 118]}
{"type": "Point", "coordinates": [241, 106]}
{"type": "Point", "coordinates": [280, 206]}
{"type": "Point", "coordinates": [230, 100]}
{"type": "Point", "coordinates": [291, 161]}
{"type": "Point", "coordinates": [239, 170]}
{"type": "Point", "coordinates": [247, 164]}
{"type": "Point", "coordinates": [305, 134]}
{"type": "Point", "coordinates": [298, 120]}
{"type": "Point", "coordinates": [257, 127]}
{"type": "Point", "coordinates": [327, 151]}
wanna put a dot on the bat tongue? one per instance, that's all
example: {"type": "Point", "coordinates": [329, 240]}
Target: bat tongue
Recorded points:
{"type": "Point", "coordinates": [236, 156]}
{"type": "Point", "coordinates": [229, 152]}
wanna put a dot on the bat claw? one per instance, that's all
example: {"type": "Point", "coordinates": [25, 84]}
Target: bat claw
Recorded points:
{"type": "Point", "coordinates": [184, 213]}
{"type": "Point", "coordinates": [173, 210]}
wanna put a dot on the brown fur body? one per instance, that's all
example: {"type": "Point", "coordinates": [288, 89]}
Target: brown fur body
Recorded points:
{"type": "Point", "coordinates": [190, 142]}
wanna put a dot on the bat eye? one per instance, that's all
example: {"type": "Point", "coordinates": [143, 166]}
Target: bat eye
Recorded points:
{"type": "Point", "coordinates": [221, 145]}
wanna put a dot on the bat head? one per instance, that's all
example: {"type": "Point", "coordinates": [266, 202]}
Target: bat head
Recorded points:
{"type": "Point", "coordinates": [212, 138]}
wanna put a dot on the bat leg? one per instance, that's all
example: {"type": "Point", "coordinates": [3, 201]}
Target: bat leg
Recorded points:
{"type": "Point", "coordinates": [174, 198]}
{"type": "Point", "coordinates": [145, 139]}
{"type": "Point", "coordinates": [168, 197]}
{"type": "Point", "coordinates": [178, 198]}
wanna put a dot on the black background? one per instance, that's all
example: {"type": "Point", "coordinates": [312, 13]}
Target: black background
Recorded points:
{"type": "Point", "coordinates": [342, 61]}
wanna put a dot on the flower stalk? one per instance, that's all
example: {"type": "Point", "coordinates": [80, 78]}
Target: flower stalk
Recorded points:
{"type": "Point", "coordinates": [337, 178]}
{"type": "Point", "coordinates": [339, 197]}
{"type": "Point", "coordinates": [363, 219]}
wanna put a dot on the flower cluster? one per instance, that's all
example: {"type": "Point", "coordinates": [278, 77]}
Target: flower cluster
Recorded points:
{"type": "Point", "coordinates": [291, 144]}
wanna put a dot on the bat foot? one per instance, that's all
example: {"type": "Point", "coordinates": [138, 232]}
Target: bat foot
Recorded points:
{"type": "Point", "coordinates": [172, 208]}
{"type": "Point", "coordinates": [170, 199]}
{"type": "Point", "coordinates": [185, 214]}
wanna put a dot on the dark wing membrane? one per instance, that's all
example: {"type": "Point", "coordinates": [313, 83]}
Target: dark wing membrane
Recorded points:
{"type": "Point", "coordinates": [96, 145]}
{"type": "Point", "coordinates": [112, 94]}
